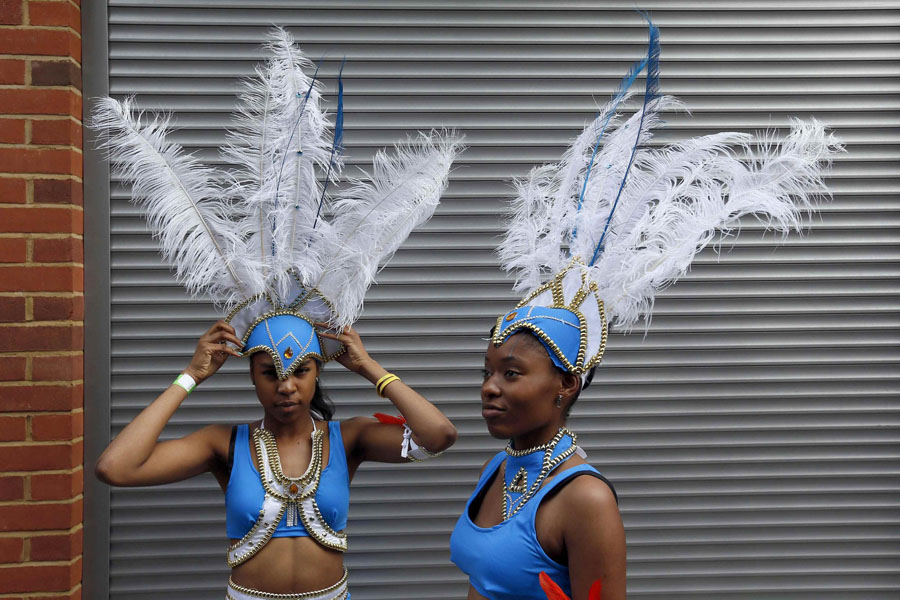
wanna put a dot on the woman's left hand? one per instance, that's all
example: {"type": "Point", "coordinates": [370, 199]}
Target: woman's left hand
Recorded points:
{"type": "Point", "coordinates": [354, 357]}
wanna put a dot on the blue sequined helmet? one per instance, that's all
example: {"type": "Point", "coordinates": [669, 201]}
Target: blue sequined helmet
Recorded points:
{"type": "Point", "coordinates": [286, 332]}
{"type": "Point", "coordinates": [566, 315]}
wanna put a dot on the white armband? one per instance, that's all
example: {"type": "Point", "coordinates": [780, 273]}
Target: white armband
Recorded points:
{"type": "Point", "coordinates": [412, 450]}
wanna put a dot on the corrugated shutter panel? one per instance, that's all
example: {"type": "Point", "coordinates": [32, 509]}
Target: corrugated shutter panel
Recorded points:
{"type": "Point", "coordinates": [752, 433]}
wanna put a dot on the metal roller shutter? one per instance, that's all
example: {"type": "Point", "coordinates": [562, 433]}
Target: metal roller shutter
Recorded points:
{"type": "Point", "coordinates": [752, 433]}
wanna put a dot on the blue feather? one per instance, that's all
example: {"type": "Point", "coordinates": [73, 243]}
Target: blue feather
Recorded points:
{"type": "Point", "coordinates": [651, 93]}
{"type": "Point", "coordinates": [337, 145]}
{"type": "Point", "coordinates": [626, 83]}
{"type": "Point", "coordinates": [618, 96]}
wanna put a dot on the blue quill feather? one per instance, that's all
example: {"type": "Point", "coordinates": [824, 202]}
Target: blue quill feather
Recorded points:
{"type": "Point", "coordinates": [337, 146]}
{"type": "Point", "coordinates": [651, 93]}
{"type": "Point", "coordinates": [619, 95]}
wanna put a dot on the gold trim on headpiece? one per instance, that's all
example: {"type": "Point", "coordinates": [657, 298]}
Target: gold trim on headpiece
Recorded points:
{"type": "Point", "coordinates": [555, 286]}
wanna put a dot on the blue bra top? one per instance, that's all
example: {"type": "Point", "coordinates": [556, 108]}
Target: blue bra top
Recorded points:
{"type": "Point", "coordinates": [244, 493]}
{"type": "Point", "coordinates": [504, 562]}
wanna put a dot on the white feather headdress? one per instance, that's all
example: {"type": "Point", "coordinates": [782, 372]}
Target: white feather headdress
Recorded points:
{"type": "Point", "coordinates": [618, 221]}
{"type": "Point", "coordinates": [257, 238]}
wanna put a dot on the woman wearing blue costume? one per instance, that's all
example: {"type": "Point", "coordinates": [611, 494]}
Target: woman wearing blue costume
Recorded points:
{"type": "Point", "coordinates": [593, 238]}
{"type": "Point", "coordinates": [293, 282]}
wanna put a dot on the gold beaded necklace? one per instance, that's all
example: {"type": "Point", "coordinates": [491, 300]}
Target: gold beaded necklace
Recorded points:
{"type": "Point", "coordinates": [290, 490]}
{"type": "Point", "coordinates": [520, 479]}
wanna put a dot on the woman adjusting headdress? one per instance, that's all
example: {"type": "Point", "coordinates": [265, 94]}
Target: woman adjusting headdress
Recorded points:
{"type": "Point", "coordinates": [290, 264]}
{"type": "Point", "coordinates": [592, 239]}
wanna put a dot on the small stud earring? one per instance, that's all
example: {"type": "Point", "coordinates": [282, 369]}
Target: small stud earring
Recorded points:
{"type": "Point", "coordinates": [559, 400]}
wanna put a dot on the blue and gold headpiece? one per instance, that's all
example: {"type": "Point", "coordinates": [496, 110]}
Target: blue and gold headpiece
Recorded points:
{"type": "Point", "coordinates": [566, 315]}
{"type": "Point", "coordinates": [287, 333]}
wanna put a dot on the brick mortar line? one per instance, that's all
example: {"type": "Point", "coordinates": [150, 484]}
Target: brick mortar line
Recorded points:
{"type": "Point", "coordinates": [42, 117]}
{"type": "Point", "coordinates": [52, 413]}
{"type": "Point", "coordinates": [45, 472]}
{"type": "Point", "coordinates": [11, 534]}
{"type": "Point", "coordinates": [33, 146]}
{"type": "Point", "coordinates": [43, 295]}
{"type": "Point", "coordinates": [70, 442]}
{"type": "Point", "coordinates": [41, 57]}
{"type": "Point", "coordinates": [32, 383]}
{"type": "Point", "coordinates": [43, 236]}
{"type": "Point", "coordinates": [67, 501]}
{"type": "Point", "coordinates": [58, 323]}
{"type": "Point", "coordinates": [36, 205]}
{"type": "Point", "coordinates": [42, 264]}
{"type": "Point", "coordinates": [30, 27]}
{"type": "Point", "coordinates": [33, 176]}
{"type": "Point", "coordinates": [42, 353]}
{"type": "Point", "coordinates": [37, 87]}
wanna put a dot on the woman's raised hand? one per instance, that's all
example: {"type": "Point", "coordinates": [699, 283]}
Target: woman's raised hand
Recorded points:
{"type": "Point", "coordinates": [212, 351]}
{"type": "Point", "coordinates": [354, 357]}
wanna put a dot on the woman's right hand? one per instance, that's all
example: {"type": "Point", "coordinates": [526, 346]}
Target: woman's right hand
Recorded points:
{"type": "Point", "coordinates": [212, 351]}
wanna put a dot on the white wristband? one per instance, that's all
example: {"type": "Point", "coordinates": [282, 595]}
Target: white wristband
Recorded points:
{"type": "Point", "coordinates": [186, 382]}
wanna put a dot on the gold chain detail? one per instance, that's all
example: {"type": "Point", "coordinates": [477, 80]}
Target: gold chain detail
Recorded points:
{"type": "Point", "coordinates": [242, 558]}
{"type": "Point", "coordinates": [547, 467]}
{"type": "Point", "coordinates": [299, 596]}
{"type": "Point", "coordinates": [265, 442]}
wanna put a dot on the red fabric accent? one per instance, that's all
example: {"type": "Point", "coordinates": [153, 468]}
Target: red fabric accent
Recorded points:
{"type": "Point", "coordinates": [553, 591]}
{"type": "Point", "coordinates": [594, 593]}
{"type": "Point", "coordinates": [390, 419]}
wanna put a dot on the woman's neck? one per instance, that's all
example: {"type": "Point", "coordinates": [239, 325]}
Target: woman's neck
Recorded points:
{"type": "Point", "coordinates": [536, 437]}
{"type": "Point", "coordinates": [300, 427]}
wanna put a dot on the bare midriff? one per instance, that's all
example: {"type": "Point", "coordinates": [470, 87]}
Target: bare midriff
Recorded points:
{"type": "Point", "coordinates": [290, 566]}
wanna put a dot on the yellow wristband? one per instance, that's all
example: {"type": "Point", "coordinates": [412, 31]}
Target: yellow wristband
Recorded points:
{"type": "Point", "coordinates": [385, 381]}
{"type": "Point", "coordinates": [381, 380]}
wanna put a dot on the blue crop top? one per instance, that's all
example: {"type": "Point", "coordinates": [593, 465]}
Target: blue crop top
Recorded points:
{"type": "Point", "coordinates": [244, 493]}
{"type": "Point", "coordinates": [504, 562]}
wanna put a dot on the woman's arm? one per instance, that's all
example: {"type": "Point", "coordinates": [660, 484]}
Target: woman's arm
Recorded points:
{"type": "Point", "coordinates": [135, 457]}
{"type": "Point", "coordinates": [594, 539]}
{"type": "Point", "coordinates": [381, 442]}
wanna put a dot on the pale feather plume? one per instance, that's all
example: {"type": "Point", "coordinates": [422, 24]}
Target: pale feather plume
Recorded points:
{"type": "Point", "coordinates": [184, 206]}
{"type": "Point", "coordinates": [696, 189]}
{"type": "Point", "coordinates": [279, 139]}
{"type": "Point", "coordinates": [637, 216]}
{"type": "Point", "coordinates": [257, 228]}
{"type": "Point", "coordinates": [375, 215]}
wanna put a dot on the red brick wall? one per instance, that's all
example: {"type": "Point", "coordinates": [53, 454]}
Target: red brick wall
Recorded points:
{"type": "Point", "coordinates": [41, 300]}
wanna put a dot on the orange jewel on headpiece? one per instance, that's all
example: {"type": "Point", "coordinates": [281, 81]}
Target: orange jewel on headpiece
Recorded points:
{"type": "Point", "coordinates": [289, 352]}
{"type": "Point", "coordinates": [511, 316]}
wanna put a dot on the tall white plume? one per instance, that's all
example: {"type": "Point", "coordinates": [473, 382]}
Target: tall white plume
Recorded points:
{"type": "Point", "coordinates": [375, 215]}
{"type": "Point", "coordinates": [184, 206]}
{"type": "Point", "coordinates": [280, 137]}
{"type": "Point", "coordinates": [262, 225]}
{"type": "Point", "coordinates": [674, 202]}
